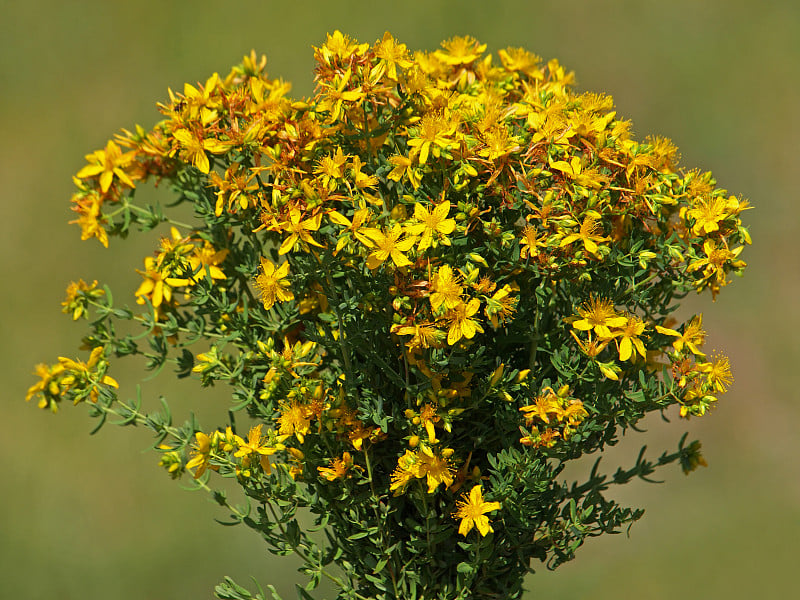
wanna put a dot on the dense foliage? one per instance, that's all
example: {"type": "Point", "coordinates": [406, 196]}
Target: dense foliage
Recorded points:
{"type": "Point", "coordinates": [430, 286]}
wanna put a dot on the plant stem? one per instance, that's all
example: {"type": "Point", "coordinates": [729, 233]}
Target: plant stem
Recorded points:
{"type": "Point", "coordinates": [304, 555]}
{"type": "Point", "coordinates": [343, 343]}
{"type": "Point", "coordinates": [126, 205]}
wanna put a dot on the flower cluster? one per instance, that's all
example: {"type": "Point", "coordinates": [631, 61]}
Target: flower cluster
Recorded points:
{"type": "Point", "coordinates": [556, 414]}
{"type": "Point", "coordinates": [72, 379]}
{"type": "Point", "coordinates": [443, 276]}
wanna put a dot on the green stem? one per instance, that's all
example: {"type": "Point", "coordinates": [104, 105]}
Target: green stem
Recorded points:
{"type": "Point", "coordinates": [343, 343]}
{"type": "Point", "coordinates": [644, 282]}
{"type": "Point", "coordinates": [305, 556]}
{"type": "Point", "coordinates": [427, 523]}
{"type": "Point", "coordinates": [144, 321]}
{"type": "Point", "coordinates": [375, 503]}
{"type": "Point", "coordinates": [534, 348]}
{"type": "Point", "coordinates": [126, 205]}
{"type": "Point", "coordinates": [140, 418]}
{"type": "Point", "coordinates": [203, 485]}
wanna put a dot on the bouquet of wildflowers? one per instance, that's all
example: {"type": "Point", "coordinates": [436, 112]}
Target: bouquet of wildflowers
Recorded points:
{"type": "Point", "coordinates": [430, 287]}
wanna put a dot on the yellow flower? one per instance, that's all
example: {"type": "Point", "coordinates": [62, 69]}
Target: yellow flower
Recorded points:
{"type": "Point", "coordinates": [157, 285]}
{"type": "Point", "coordinates": [403, 165]}
{"type": "Point", "coordinates": [235, 186]}
{"type": "Point", "coordinates": [460, 50]}
{"type": "Point", "coordinates": [255, 444]}
{"type": "Point", "coordinates": [599, 314]}
{"type": "Point", "coordinates": [295, 419]}
{"type": "Point", "coordinates": [445, 289]}
{"type": "Point", "coordinates": [554, 409]}
{"type": "Point", "coordinates": [693, 336]}
{"type": "Point", "coordinates": [205, 262]}
{"type": "Point", "coordinates": [436, 469]}
{"type": "Point", "coordinates": [628, 338]}
{"type": "Point", "coordinates": [530, 242]}
{"type": "Point", "coordinates": [574, 170]}
{"type": "Point", "coordinates": [708, 212]}
{"type": "Point", "coordinates": [472, 512]}
{"type": "Point", "coordinates": [460, 322]}
{"type": "Point", "coordinates": [331, 168]}
{"type": "Point", "coordinates": [357, 433]}
{"type": "Point", "coordinates": [519, 59]}
{"type": "Point", "coordinates": [574, 413]}
{"type": "Point", "coordinates": [85, 376]}
{"type": "Point", "coordinates": [392, 55]}
{"type": "Point", "coordinates": [108, 163]}
{"type": "Point", "coordinates": [194, 148]}
{"type": "Point", "coordinates": [354, 227]}
{"type": "Point", "coordinates": [89, 217]}
{"type": "Point", "coordinates": [48, 387]}
{"type": "Point", "coordinates": [498, 143]}
{"type": "Point", "coordinates": [718, 374]}
{"type": "Point", "coordinates": [435, 131]}
{"type": "Point", "coordinates": [501, 305]}
{"type": "Point", "coordinates": [79, 294]}
{"type": "Point", "coordinates": [591, 347]}
{"type": "Point", "coordinates": [272, 283]}
{"type": "Point", "coordinates": [547, 405]}
{"type": "Point", "coordinates": [544, 439]}
{"type": "Point", "coordinates": [201, 454]}
{"type": "Point", "coordinates": [389, 245]}
{"type": "Point", "coordinates": [405, 472]}
{"type": "Point", "coordinates": [428, 417]}
{"type": "Point", "coordinates": [432, 223]}
{"type": "Point", "coordinates": [172, 256]}
{"type": "Point", "coordinates": [298, 230]}
{"type": "Point", "coordinates": [364, 181]}
{"type": "Point", "coordinates": [425, 335]}
{"type": "Point", "coordinates": [196, 100]}
{"type": "Point", "coordinates": [713, 265]}
{"type": "Point", "coordinates": [588, 234]}
{"type": "Point", "coordinates": [339, 46]}
{"type": "Point", "coordinates": [339, 467]}
{"type": "Point", "coordinates": [335, 95]}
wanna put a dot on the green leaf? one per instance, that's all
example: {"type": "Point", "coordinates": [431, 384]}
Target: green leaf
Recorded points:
{"type": "Point", "coordinates": [230, 590]}
{"type": "Point", "coordinates": [185, 364]}
{"type": "Point", "coordinates": [466, 568]}
{"type": "Point", "coordinates": [302, 594]}
{"type": "Point", "coordinates": [381, 564]}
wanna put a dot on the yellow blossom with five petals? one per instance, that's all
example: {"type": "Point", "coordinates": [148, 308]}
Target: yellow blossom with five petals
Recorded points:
{"type": "Point", "coordinates": [432, 223]}
{"type": "Point", "coordinates": [461, 321]}
{"type": "Point", "coordinates": [389, 245]}
{"type": "Point", "coordinates": [446, 289]}
{"type": "Point", "coordinates": [108, 163]}
{"type": "Point", "coordinates": [194, 147]}
{"type": "Point", "coordinates": [599, 314]}
{"type": "Point", "coordinates": [272, 283]}
{"type": "Point", "coordinates": [299, 230]}
{"type": "Point", "coordinates": [472, 512]}
{"type": "Point", "coordinates": [628, 338]}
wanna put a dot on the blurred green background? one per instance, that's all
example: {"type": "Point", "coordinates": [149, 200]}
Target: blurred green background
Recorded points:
{"type": "Point", "coordinates": [93, 517]}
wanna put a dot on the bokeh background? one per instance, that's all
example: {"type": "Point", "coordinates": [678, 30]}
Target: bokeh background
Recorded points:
{"type": "Point", "coordinates": [93, 517]}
